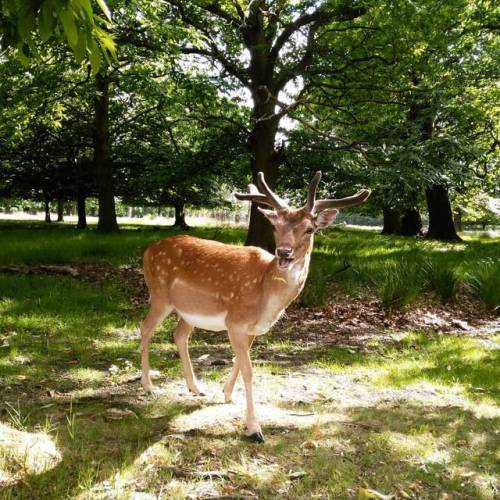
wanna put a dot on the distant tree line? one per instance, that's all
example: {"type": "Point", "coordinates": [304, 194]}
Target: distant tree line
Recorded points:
{"type": "Point", "coordinates": [165, 103]}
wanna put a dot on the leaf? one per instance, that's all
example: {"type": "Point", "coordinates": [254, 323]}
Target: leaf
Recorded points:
{"type": "Point", "coordinates": [67, 19]}
{"type": "Point", "coordinates": [107, 43]}
{"type": "Point", "coordinates": [46, 21]}
{"type": "Point", "coordinates": [86, 7]}
{"type": "Point", "coordinates": [369, 494]}
{"type": "Point", "coordinates": [104, 8]}
{"type": "Point", "coordinates": [26, 22]}
{"type": "Point", "coordinates": [21, 55]}
{"type": "Point", "coordinates": [94, 56]}
{"type": "Point", "coordinates": [79, 49]}
{"type": "Point", "coordinates": [296, 474]}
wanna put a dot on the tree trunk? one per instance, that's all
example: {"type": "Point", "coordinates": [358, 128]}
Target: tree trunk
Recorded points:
{"type": "Point", "coordinates": [180, 220]}
{"type": "Point", "coordinates": [263, 159]}
{"type": "Point", "coordinates": [46, 203]}
{"type": "Point", "coordinates": [392, 221]}
{"type": "Point", "coordinates": [82, 213]}
{"type": "Point", "coordinates": [60, 210]}
{"type": "Point", "coordinates": [102, 161]}
{"type": "Point", "coordinates": [411, 223]}
{"type": "Point", "coordinates": [441, 225]}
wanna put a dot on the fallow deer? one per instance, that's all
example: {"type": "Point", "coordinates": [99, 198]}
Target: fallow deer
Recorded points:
{"type": "Point", "coordinates": [243, 290]}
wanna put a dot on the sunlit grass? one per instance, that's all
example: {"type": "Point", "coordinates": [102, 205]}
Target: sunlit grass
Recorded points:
{"type": "Point", "coordinates": [442, 360]}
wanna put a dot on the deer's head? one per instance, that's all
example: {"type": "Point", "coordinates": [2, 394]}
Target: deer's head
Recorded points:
{"type": "Point", "coordinates": [294, 228]}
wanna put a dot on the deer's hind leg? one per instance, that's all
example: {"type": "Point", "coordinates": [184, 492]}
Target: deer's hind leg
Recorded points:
{"type": "Point", "coordinates": [157, 313]}
{"type": "Point", "coordinates": [182, 335]}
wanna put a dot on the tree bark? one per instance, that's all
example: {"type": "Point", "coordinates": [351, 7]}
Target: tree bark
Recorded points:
{"type": "Point", "coordinates": [82, 212]}
{"type": "Point", "coordinates": [60, 210]}
{"type": "Point", "coordinates": [102, 161]}
{"type": "Point", "coordinates": [180, 220]}
{"type": "Point", "coordinates": [441, 225]}
{"type": "Point", "coordinates": [392, 221]}
{"type": "Point", "coordinates": [411, 223]}
{"type": "Point", "coordinates": [263, 159]}
{"type": "Point", "coordinates": [46, 203]}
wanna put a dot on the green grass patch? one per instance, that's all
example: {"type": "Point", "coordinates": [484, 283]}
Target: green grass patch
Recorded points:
{"type": "Point", "coordinates": [484, 282]}
{"type": "Point", "coordinates": [443, 360]}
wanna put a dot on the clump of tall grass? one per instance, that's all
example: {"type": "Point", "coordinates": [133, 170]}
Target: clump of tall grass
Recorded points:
{"type": "Point", "coordinates": [400, 285]}
{"type": "Point", "coordinates": [440, 278]}
{"type": "Point", "coordinates": [314, 293]}
{"type": "Point", "coordinates": [484, 282]}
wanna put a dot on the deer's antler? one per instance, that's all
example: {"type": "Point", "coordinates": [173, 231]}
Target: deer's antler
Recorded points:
{"type": "Point", "coordinates": [314, 206]}
{"type": "Point", "coordinates": [262, 194]}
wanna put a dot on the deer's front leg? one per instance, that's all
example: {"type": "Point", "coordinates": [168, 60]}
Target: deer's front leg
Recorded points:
{"type": "Point", "coordinates": [241, 343]}
{"type": "Point", "coordinates": [229, 385]}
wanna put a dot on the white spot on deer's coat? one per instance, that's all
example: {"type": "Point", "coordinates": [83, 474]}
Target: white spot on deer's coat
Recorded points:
{"type": "Point", "coordinates": [169, 261]}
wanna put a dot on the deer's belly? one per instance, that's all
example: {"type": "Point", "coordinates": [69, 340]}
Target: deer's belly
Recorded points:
{"type": "Point", "coordinates": [212, 322]}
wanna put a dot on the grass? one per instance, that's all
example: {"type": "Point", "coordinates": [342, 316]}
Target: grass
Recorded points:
{"type": "Point", "coordinates": [399, 269]}
{"type": "Point", "coordinates": [442, 360]}
{"type": "Point", "coordinates": [416, 417]}
{"type": "Point", "coordinates": [484, 282]}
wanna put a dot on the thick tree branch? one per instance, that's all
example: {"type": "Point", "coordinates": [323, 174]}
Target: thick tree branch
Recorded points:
{"type": "Point", "coordinates": [317, 19]}
{"type": "Point", "coordinates": [215, 55]}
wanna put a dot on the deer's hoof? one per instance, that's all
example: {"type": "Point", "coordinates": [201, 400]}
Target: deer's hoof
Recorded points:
{"type": "Point", "coordinates": [257, 437]}
{"type": "Point", "coordinates": [197, 392]}
{"type": "Point", "coordinates": [148, 387]}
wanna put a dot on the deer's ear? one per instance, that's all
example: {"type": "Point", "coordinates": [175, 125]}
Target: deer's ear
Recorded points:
{"type": "Point", "coordinates": [325, 218]}
{"type": "Point", "coordinates": [271, 215]}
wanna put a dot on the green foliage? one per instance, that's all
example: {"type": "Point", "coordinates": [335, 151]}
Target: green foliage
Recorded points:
{"type": "Point", "coordinates": [86, 32]}
{"type": "Point", "coordinates": [349, 261]}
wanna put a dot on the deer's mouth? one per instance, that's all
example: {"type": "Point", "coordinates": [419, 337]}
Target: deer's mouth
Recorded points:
{"type": "Point", "coordinates": [284, 262]}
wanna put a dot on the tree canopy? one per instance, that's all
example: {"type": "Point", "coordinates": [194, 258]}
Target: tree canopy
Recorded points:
{"type": "Point", "coordinates": [164, 103]}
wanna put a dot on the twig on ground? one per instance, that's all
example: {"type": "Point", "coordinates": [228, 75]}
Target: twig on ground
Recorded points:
{"type": "Point", "coordinates": [41, 269]}
{"type": "Point", "coordinates": [209, 474]}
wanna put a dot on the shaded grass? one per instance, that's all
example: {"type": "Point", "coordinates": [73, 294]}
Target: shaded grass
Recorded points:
{"type": "Point", "coordinates": [484, 281]}
{"type": "Point", "coordinates": [442, 280]}
{"type": "Point", "coordinates": [399, 269]}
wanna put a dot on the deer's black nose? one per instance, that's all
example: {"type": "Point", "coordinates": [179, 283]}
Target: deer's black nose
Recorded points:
{"type": "Point", "coordinates": [284, 252]}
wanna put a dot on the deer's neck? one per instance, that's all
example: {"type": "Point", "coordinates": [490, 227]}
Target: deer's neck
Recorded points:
{"type": "Point", "coordinates": [281, 287]}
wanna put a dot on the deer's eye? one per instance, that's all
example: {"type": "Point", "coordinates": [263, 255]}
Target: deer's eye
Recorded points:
{"type": "Point", "coordinates": [309, 230]}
